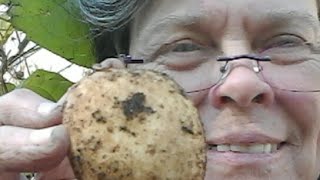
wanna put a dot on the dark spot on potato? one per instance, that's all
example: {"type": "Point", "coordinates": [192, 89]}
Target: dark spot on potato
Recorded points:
{"type": "Point", "coordinates": [76, 163]}
{"type": "Point", "coordinates": [77, 158]}
{"type": "Point", "coordinates": [135, 74]}
{"type": "Point", "coordinates": [102, 176]}
{"type": "Point", "coordinates": [116, 103]}
{"type": "Point", "coordinates": [151, 176]}
{"type": "Point", "coordinates": [134, 105]}
{"type": "Point", "coordinates": [151, 149]}
{"type": "Point", "coordinates": [93, 170]}
{"type": "Point", "coordinates": [187, 129]}
{"type": "Point", "coordinates": [79, 95]}
{"type": "Point", "coordinates": [142, 119]}
{"type": "Point", "coordinates": [118, 170]}
{"type": "Point", "coordinates": [74, 86]}
{"type": "Point", "coordinates": [164, 74]}
{"type": "Point", "coordinates": [126, 130]}
{"type": "Point", "coordinates": [71, 106]}
{"type": "Point", "coordinates": [97, 115]}
{"type": "Point", "coordinates": [116, 148]}
{"type": "Point", "coordinates": [110, 129]}
{"type": "Point", "coordinates": [163, 151]}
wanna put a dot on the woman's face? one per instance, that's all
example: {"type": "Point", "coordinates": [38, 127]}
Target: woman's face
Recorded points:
{"type": "Point", "coordinates": [253, 129]}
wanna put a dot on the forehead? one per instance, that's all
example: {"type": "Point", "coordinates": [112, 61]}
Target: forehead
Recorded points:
{"type": "Point", "coordinates": [218, 13]}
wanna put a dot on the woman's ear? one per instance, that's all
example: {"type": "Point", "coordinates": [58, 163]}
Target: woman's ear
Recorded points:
{"type": "Point", "coordinates": [109, 63]}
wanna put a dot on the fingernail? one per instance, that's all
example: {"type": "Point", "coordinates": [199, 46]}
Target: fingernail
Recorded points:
{"type": "Point", "coordinates": [41, 136]}
{"type": "Point", "coordinates": [46, 108]}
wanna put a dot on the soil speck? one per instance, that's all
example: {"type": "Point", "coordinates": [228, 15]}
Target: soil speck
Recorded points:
{"type": "Point", "coordinates": [134, 105]}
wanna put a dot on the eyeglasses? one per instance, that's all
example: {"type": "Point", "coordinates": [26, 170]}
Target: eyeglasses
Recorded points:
{"type": "Point", "coordinates": [291, 67]}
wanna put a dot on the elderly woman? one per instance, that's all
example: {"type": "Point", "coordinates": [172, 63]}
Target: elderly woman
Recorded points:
{"type": "Point", "coordinates": [251, 68]}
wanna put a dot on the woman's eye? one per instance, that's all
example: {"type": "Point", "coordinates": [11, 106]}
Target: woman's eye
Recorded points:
{"type": "Point", "coordinates": [185, 47]}
{"type": "Point", "coordinates": [285, 41]}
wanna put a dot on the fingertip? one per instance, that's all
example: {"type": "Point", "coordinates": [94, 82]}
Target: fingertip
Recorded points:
{"type": "Point", "coordinates": [61, 133]}
{"type": "Point", "coordinates": [51, 112]}
{"type": "Point", "coordinates": [24, 108]}
{"type": "Point", "coordinates": [54, 151]}
{"type": "Point", "coordinates": [46, 108]}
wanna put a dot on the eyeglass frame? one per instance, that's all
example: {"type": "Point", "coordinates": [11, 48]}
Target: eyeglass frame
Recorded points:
{"type": "Point", "coordinates": [127, 59]}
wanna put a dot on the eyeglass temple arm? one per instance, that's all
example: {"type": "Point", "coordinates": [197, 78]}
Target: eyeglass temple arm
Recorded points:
{"type": "Point", "coordinates": [127, 59]}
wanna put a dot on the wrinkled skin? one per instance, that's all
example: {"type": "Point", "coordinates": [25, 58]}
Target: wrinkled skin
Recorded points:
{"type": "Point", "coordinates": [244, 104]}
{"type": "Point", "coordinates": [31, 137]}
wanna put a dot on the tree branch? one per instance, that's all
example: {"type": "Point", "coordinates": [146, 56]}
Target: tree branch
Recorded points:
{"type": "Point", "coordinates": [3, 68]}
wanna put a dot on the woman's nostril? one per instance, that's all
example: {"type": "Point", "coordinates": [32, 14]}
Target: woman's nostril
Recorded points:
{"type": "Point", "coordinates": [259, 98]}
{"type": "Point", "coordinates": [226, 99]}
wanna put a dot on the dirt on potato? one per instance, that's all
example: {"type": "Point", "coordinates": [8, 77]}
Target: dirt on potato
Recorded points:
{"type": "Point", "coordinates": [133, 125]}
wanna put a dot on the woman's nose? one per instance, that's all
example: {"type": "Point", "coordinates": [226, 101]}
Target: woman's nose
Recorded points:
{"type": "Point", "coordinates": [242, 87]}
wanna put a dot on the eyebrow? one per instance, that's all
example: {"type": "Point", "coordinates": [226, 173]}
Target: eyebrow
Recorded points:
{"type": "Point", "coordinates": [281, 18]}
{"type": "Point", "coordinates": [172, 21]}
{"type": "Point", "coordinates": [175, 20]}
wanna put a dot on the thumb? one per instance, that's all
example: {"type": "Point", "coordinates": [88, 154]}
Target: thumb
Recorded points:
{"type": "Point", "coordinates": [24, 108]}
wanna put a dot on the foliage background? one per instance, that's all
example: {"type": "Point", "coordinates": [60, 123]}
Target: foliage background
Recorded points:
{"type": "Point", "coordinates": [55, 25]}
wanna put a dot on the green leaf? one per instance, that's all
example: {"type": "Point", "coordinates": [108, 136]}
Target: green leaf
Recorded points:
{"type": "Point", "coordinates": [55, 25]}
{"type": "Point", "coordinates": [9, 86]}
{"type": "Point", "coordinates": [6, 29]}
{"type": "Point", "coordinates": [49, 85]}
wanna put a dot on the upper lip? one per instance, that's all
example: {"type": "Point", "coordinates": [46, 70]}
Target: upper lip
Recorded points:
{"type": "Point", "coordinates": [244, 138]}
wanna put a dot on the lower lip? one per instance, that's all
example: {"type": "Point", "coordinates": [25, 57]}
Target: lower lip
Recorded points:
{"type": "Point", "coordinates": [244, 159]}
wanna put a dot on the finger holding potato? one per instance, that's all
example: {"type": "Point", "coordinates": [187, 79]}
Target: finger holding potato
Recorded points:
{"type": "Point", "coordinates": [32, 138]}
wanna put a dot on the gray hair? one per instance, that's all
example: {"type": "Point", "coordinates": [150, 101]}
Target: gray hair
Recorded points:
{"type": "Point", "coordinates": [109, 15]}
{"type": "Point", "coordinates": [110, 24]}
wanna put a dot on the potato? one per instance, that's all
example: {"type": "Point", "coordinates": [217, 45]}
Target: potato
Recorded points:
{"type": "Point", "coordinates": [133, 125]}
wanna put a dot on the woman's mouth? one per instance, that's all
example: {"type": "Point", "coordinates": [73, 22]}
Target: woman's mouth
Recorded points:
{"type": "Point", "coordinates": [252, 148]}
{"type": "Point", "coordinates": [245, 149]}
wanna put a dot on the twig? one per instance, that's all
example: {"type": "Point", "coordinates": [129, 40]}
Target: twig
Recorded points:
{"type": "Point", "coordinates": [4, 19]}
{"type": "Point", "coordinates": [27, 66]}
{"type": "Point", "coordinates": [18, 37]}
{"type": "Point", "coordinates": [3, 68]}
{"type": "Point", "coordinates": [63, 69]}
{"type": "Point", "coordinates": [14, 58]}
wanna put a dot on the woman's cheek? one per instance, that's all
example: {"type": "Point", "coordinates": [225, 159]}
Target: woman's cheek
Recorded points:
{"type": "Point", "coordinates": [303, 110]}
{"type": "Point", "coordinates": [197, 98]}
